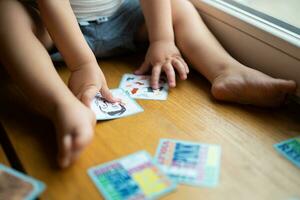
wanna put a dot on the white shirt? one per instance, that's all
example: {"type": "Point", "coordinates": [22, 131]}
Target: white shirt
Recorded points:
{"type": "Point", "coordinates": [87, 10]}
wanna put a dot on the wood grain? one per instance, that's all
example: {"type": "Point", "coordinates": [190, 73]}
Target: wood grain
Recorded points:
{"type": "Point", "coordinates": [250, 167]}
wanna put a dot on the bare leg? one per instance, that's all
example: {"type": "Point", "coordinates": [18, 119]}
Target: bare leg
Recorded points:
{"type": "Point", "coordinates": [24, 55]}
{"type": "Point", "coordinates": [231, 80]}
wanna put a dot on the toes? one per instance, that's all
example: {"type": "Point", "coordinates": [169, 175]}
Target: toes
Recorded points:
{"type": "Point", "coordinates": [287, 86]}
{"type": "Point", "coordinates": [282, 89]}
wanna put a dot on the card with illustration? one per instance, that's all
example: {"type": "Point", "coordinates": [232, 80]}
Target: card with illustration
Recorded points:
{"type": "Point", "coordinates": [16, 185]}
{"type": "Point", "coordinates": [290, 149]}
{"type": "Point", "coordinates": [188, 162]}
{"type": "Point", "coordinates": [105, 110]}
{"type": "Point", "coordinates": [132, 177]}
{"type": "Point", "coordinates": [138, 87]}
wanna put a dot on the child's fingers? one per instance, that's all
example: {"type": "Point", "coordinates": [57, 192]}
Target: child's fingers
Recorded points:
{"type": "Point", "coordinates": [168, 68]}
{"type": "Point", "coordinates": [105, 92]}
{"type": "Point", "coordinates": [143, 68]}
{"type": "Point", "coordinates": [178, 65]}
{"type": "Point", "coordinates": [156, 70]}
{"type": "Point", "coordinates": [184, 63]}
{"type": "Point", "coordinates": [64, 151]}
{"type": "Point", "coordinates": [83, 139]}
{"type": "Point", "coordinates": [80, 141]}
{"type": "Point", "coordinates": [88, 95]}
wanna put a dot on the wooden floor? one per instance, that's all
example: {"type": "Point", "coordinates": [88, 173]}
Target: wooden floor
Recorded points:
{"type": "Point", "coordinates": [250, 167]}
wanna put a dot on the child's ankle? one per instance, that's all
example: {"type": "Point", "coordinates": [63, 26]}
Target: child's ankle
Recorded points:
{"type": "Point", "coordinates": [224, 68]}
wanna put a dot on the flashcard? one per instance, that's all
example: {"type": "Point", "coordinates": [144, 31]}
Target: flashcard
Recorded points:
{"type": "Point", "coordinates": [16, 185]}
{"type": "Point", "coordinates": [188, 162]}
{"type": "Point", "coordinates": [290, 149]}
{"type": "Point", "coordinates": [105, 110]}
{"type": "Point", "coordinates": [132, 177]}
{"type": "Point", "coordinates": [138, 87]}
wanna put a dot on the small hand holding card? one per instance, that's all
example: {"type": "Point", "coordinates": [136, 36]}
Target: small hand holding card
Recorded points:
{"type": "Point", "coordinates": [138, 87]}
{"type": "Point", "coordinates": [105, 110]}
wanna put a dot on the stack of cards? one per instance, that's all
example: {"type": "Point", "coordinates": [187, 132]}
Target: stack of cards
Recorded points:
{"type": "Point", "coordinates": [138, 87]}
{"type": "Point", "coordinates": [290, 149]}
{"type": "Point", "coordinates": [105, 110]}
{"type": "Point", "coordinates": [188, 162]}
{"type": "Point", "coordinates": [133, 177]}
{"type": "Point", "coordinates": [16, 185]}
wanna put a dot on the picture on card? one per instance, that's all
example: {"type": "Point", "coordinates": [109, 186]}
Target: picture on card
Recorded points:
{"type": "Point", "coordinates": [16, 185]}
{"type": "Point", "coordinates": [188, 162]}
{"type": "Point", "coordinates": [138, 87]}
{"type": "Point", "coordinates": [105, 110]}
{"type": "Point", "coordinates": [131, 177]}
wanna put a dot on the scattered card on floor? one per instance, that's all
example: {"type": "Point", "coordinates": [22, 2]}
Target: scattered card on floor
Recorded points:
{"type": "Point", "coordinates": [290, 149]}
{"type": "Point", "coordinates": [16, 185]}
{"type": "Point", "coordinates": [188, 162]}
{"type": "Point", "coordinates": [138, 87]}
{"type": "Point", "coordinates": [132, 177]}
{"type": "Point", "coordinates": [105, 110]}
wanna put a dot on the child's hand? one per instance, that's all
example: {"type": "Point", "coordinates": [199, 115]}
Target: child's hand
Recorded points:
{"type": "Point", "coordinates": [86, 80]}
{"type": "Point", "coordinates": [164, 55]}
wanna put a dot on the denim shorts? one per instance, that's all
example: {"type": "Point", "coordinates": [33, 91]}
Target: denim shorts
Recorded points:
{"type": "Point", "coordinates": [115, 35]}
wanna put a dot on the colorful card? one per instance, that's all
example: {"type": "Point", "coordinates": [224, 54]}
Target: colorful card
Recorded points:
{"type": "Point", "coordinates": [290, 149]}
{"type": "Point", "coordinates": [132, 177]}
{"type": "Point", "coordinates": [138, 87]}
{"type": "Point", "coordinates": [16, 185]}
{"type": "Point", "coordinates": [105, 110]}
{"type": "Point", "coordinates": [188, 162]}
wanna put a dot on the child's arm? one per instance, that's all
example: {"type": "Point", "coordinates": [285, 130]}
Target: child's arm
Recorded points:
{"type": "Point", "coordinates": [162, 53]}
{"type": "Point", "coordinates": [86, 78]}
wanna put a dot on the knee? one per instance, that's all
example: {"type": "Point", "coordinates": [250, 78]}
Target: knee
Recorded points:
{"type": "Point", "coordinates": [18, 18]}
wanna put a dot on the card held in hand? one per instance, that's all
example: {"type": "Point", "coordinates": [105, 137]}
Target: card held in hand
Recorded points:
{"type": "Point", "coordinates": [105, 110]}
{"type": "Point", "coordinates": [138, 87]}
{"type": "Point", "coordinates": [132, 177]}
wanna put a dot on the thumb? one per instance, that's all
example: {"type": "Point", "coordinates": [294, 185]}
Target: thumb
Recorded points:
{"type": "Point", "coordinates": [88, 95]}
{"type": "Point", "coordinates": [143, 68]}
{"type": "Point", "coordinates": [105, 92]}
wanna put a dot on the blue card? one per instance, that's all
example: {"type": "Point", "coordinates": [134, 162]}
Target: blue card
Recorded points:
{"type": "Point", "coordinates": [105, 110]}
{"type": "Point", "coordinates": [138, 87]}
{"type": "Point", "coordinates": [290, 149]}
{"type": "Point", "coordinates": [188, 162]}
{"type": "Point", "coordinates": [16, 185]}
{"type": "Point", "coordinates": [132, 177]}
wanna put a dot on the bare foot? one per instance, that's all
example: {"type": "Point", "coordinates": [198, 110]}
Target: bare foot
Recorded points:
{"type": "Point", "coordinates": [248, 86]}
{"type": "Point", "coordinates": [74, 124]}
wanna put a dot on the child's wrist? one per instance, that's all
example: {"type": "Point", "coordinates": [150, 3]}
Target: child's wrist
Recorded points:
{"type": "Point", "coordinates": [165, 40]}
{"type": "Point", "coordinates": [89, 64]}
